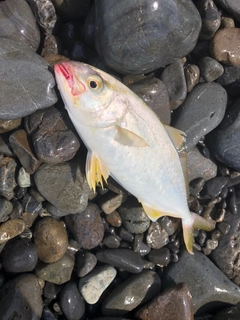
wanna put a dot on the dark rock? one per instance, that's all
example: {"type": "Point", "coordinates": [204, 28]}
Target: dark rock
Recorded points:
{"type": "Point", "coordinates": [230, 75]}
{"type": "Point", "coordinates": [80, 51]}
{"type": "Point", "coordinates": [26, 79]}
{"type": "Point", "coordinates": [85, 262]}
{"type": "Point", "coordinates": [64, 185]}
{"type": "Point", "coordinates": [210, 69]}
{"type": "Point", "coordinates": [140, 246]}
{"type": "Point", "coordinates": [7, 177]}
{"type": "Point", "coordinates": [125, 234]}
{"type": "Point", "coordinates": [201, 112]}
{"type": "Point", "coordinates": [50, 47]}
{"type": "Point", "coordinates": [230, 313]}
{"type": "Point", "coordinates": [71, 9]}
{"type": "Point", "coordinates": [135, 291]}
{"type": "Point", "coordinates": [122, 258]}
{"type": "Point", "coordinates": [19, 255]}
{"type": "Point", "coordinates": [232, 6]}
{"type": "Point", "coordinates": [54, 212]}
{"type": "Point", "coordinates": [137, 23]}
{"type": "Point", "coordinates": [21, 297]}
{"type": "Point", "coordinates": [30, 205]}
{"type": "Point", "coordinates": [213, 187]}
{"type": "Point", "coordinates": [87, 226]}
{"type": "Point", "coordinates": [89, 27]}
{"type": "Point", "coordinates": [169, 224]}
{"type": "Point", "coordinates": [112, 241]}
{"type": "Point", "coordinates": [160, 257]}
{"type": "Point", "coordinates": [6, 208]}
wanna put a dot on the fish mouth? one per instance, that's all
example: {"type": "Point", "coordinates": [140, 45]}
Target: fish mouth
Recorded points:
{"type": "Point", "coordinates": [76, 86]}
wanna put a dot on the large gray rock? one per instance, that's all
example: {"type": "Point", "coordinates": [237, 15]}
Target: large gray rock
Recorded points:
{"type": "Point", "coordinates": [26, 84]}
{"type": "Point", "coordinates": [137, 36]}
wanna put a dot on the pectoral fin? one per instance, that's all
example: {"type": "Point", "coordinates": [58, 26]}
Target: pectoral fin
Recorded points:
{"type": "Point", "coordinates": [95, 170]}
{"type": "Point", "coordinates": [128, 138]}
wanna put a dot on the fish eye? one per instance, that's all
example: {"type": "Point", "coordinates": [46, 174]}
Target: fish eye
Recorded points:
{"type": "Point", "coordinates": [95, 83]}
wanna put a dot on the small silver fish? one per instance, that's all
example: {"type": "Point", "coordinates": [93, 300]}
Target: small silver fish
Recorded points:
{"type": "Point", "coordinates": [126, 140]}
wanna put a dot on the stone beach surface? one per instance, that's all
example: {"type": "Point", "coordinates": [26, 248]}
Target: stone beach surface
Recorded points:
{"type": "Point", "coordinates": [69, 253]}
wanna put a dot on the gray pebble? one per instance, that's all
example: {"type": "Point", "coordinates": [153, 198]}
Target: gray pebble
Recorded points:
{"type": "Point", "coordinates": [211, 18]}
{"type": "Point", "coordinates": [6, 208]}
{"type": "Point", "coordinates": [51, 290]}
{"type": "Point", "coordinates": [170, 224]}
{"type": "Point", "coordinates": [140, 246]}
{"type": "Point", "coordinates": [157, 237]}
{"type": "Point", "coordinates": [85, 262]}
{"type": "Point", "coordinates": [210, 69]}
{"type": "Point", "coordinates": [213, 187]}
{"type": "Point", "coordinates": [231, 6]}
{"type": "Point", "coordinates": [111, 241]}
{"type": "Point", "coordinates": [125, 234]}
{"type": "Point", "coordinates": [161, 257]}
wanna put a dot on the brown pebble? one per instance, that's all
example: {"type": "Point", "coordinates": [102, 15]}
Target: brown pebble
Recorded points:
{"type": "Point", "coordinates": [8, 125]}
{"type": "Point", "coordinates": [114, 219]}
{"type": "Point", "coordinates": [51, 240]}
{"type": "Point", "coordinates": [11, 229]}
{"type": "Point", "coordinates": [192, 75]}
{"type": "Point", "coordinates": [111, 201]}
{"type": "Point", "coordinates": [173, 303]}
{"type": "Point", "coordinates": [225, 46]}
{"type": "Point", "coordinates": [227, 22]}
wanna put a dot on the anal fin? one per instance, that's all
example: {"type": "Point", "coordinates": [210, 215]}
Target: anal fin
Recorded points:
{"type": "Point", "coordinates": [95, 170]}
{"type": "Point", "coordinates": [153, 213]}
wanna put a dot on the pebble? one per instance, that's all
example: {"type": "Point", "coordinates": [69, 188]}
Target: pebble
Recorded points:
{"type": "Point", "coordinates": [125, 234]}
{"type": "Point", "coordinates": [230, 6]}
{"type": "Point", "coordinates": [51, 46]}
{"type": "Point", "coordinates": [21, 297]}
{"type": "Point", "coordinates": [170, 224]}
{"type": "Point", "coordinates": [26, 77]}
{"type": "Point", "coordinates": [85, 262]}
{"type": "Point", "coordinates": [112, 241]}
{"type": "Point", "coordinates": [210, 69]}
{"type": "Point", "coordinates": [51, 239]}
{"type": "Point", "coordinates": [30, 205]}
{"type": "Point", "coordinates": [71, 9]}
{"type": "Point", "coordinates": [140, 246]}
{"type": "Point", "coordinates": [201, 276]}
{"type": "Point", "coordinates": [227, 22]}
{"type": "Point", "coordinates": [160, 257]}
{"type": "Point", "coordinates": [20, 255]}
{"type": "Point", "coordinates": [211, 18]}
{"type": "Point", "coordinates": [96, 282]}
{"type": "Point", "coordinates": [154, 93]}
{"type": "Point", "coordinates": [174, 79]}
{"type": "Point", "coordinates": [214, 187]}
{"type": "Point", "coordinates": [6, 208]}
{"type": "Point", "coordinates": [111, 201]}
{"type": "Point", "coordinates": [114, 219]}
{"type": "Point", "coordinates": [211, 244]}
{"type": "Point", "coordinates": [192, 75]}
{"type": "Point", "coordinates": [20, 143]}
{"type": "Point", "coordinates": [64, 185]}
{"type": "Point", "coordinates": [201, 112]}
{"type": "Point", "coordinates": [17, 23]}
{"type": "Point", "coordinates": [224, 227]}
{"type": "Point", "coordinates": [134, 219]}
{"type": "Point", "coordinates": [87, 227]}
{"type": "Point", "coordinates": [225, 46]}
{"type": "Point", "coordinates": [135, 291]}
{"type": "Point", "coordinates": [5, 148]}
{"type": "Point", "coordinates": [156, 237]}
{"type": "Point", "coordinates": [118, 50]}
{"type": "Point", "coordinates": [233, 203]}
{"type": "Point", "coordinates": [11, 229]}
{"type": "Point", "coordinates": [7, 177]}
{"type": "Point", "coordinates": [56, 272]}
{"type": "Point", "coordinates": [23, 180]}
{"type": "Point", "coordinates": [53, 139]}
{"type": "Point", "coordinates": [9, 125]}
{"type": "Point", "coordinates": [125, 259]}
{"type": "Point", "coordinates": [230, 313]}
{"type": "Point", "coordinates": [173, 303]}
{"type": "Point", "coordinates": [72, 303]}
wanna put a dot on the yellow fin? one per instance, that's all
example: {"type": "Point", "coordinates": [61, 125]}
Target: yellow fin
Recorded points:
{"type": "Point", "coordinates": [128, 138]}
{"type": "Point", "coordinates": [153, 213]}
{"type": "Point", "coordinates": [95, 170]}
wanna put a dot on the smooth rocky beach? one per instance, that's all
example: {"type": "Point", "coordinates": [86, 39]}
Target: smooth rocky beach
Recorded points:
{"type": "Point", "coordinates": [67, 253]}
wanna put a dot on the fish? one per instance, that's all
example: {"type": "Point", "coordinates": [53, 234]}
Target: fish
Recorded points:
{"type": "Point", "coordinates": [127, 141]}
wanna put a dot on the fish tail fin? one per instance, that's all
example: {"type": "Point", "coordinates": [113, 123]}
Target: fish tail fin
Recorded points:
{"type": "Point", "coordinates": [197, 222]}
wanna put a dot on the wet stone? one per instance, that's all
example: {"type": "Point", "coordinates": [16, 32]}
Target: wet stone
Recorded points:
{"type": "Point", "coordinates": [96, 282]}
{"type": "Point", "coordinates": [51, 240]}
{"type": "Point", "coordinates": [173, 303]}
{"type": "Point", "coordinates": [114, 219]}
{"type": "Point", "coordinates": [196, 186]}
{"type": "Point", "coordinates": [154, 93]}
{"type": "Point", "coordinates": [87, 227]}
{"type": "Point", "coordinates": [21, 296]}
{"type": "Point", "coordinates": [20, 255]}
{"type": "Point", "coordinates": [9, 125]}
{"type": "Point", "coordinates": [201, 275]}
{"type": "Point", "coordinates": [230, 313]}
{"type": "Point", "coordinates": [118, 50]}
{"type": "Point", "coordinates": [160, 257]}
{"type": "Point", "coordinates": [11, 229]}
{"type": "Point", "coordinates": [57, 272]}
{"type": "Point", "coordinates": [225, 46]}
{"type": "Point", "coordinates": [174, 79]}
{"type": "Point", "coordinates": [111, 201]}
{"type": "Point", "coordinates": [53, 141]}
{"type": "Point", "coordinates": [169, 224]}
{"type": "Point", "coordinates": [64, 185]}
{"type": "Point", "coordinates": [210, 69]}
{"type": "Point", "coordinates": [17, 23]}
{"type": "Point", "coordinates": [213, 187]}
{"type": "Point", "coordinates": [134, 219]}
{"type": "Point", "coordinates": [85, 262]}
{"type": "Point", "coordinates": [136, 290]}
{"type": "Point", "coordinates": [26, 79]}
{"type": "Point", "coordinates": [157, 237]}
{"type": "Point", "coordinates": [233, 203]}
{"type": "Point", "coordinates": [7, 177]}
{"type": "Point", "coordinates": [111, 241]}
{"type": "Point", "coordinates": [71, 9]}
{"type": "Point", "coordinates": [72, 303]}
{"type": "Point", "coordinates": [122, 258]}
{"type": "Point", "coordinates": [140, 246]}
{"type": "Point", "coordinates": [192, 75]}
{"type": "Point", "coordinates": [201, 112]}
{"type": "Point", "coordinates": [6, 208]}
{"type": "Point", "coordinates": [199, 166]}
{"type": "Point", "coordinates": [20, 143]}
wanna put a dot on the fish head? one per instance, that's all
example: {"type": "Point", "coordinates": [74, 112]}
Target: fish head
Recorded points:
{"type": "Point", "coordinates": [84, 91]}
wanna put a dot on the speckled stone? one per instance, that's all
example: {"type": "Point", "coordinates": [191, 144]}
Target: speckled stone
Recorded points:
{"type": "Point", "coordinates": [135, 291]}
{"type": "Point", "coordinates": [11, 229]}
{"type": "Point", "coordinates": [201, 112]}
{"type": "Point", "coordinates": [64, 185]}
{"type": "Point", "coordinates": [57, 272]}
{"type": "Point", "coordinates": [173, 303]}
{"type": "Point", "coordinates": [21, 296]}
{"type": "Point", "coordinates": [51, 239]}
{"type": "Point", "coordinates": [157, 237]}
{"type": "Point", "coordinates": [118, 49]}
{"type": "Point", "coordinates": [26, 78]}
{"type": "Point", "coordinates": [87, 226]}
{"type": "Point", "coordinates": [7, 177]}
{"type": "Point", "coordinates": [96, 282]}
